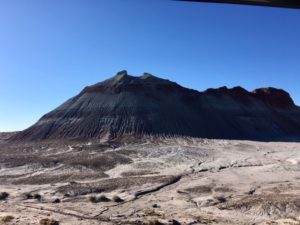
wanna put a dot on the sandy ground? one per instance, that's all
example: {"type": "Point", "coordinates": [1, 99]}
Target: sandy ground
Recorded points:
{"type": "Point", "coordinates": [174, 181]}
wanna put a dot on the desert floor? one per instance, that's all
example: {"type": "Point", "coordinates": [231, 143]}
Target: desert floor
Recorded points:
{"type": "Point", "coordinates": [172, 180]}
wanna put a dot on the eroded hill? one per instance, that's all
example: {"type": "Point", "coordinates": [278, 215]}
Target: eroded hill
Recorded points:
{"type": "Point", "coordinates": [125, 105]}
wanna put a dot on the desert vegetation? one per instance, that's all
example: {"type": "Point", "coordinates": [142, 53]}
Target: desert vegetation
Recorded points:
{"type": "Point", "coordinates": [4, 195]}
{"type": "Point", "coordinates": [96, 199]}
{"type": "Point", "coordinates": [57, 200]}
{"type": "Point", "coordinates": [47, 221]}
{"type": "Point", "coordinates": [7, 218]}
{"type": "Point", "coordinates": [155, 222]}
{"type": "Point", "coordinates": [36, 196]}
{"type": "Point", "coordinates": [116, 198]}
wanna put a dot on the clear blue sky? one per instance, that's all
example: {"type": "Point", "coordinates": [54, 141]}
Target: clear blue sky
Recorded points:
{"type": "Point", "coordinates": [51, 49]}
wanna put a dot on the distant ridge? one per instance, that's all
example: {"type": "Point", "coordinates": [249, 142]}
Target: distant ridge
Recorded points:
{"type": "Point", "coordinates": [147, 105]}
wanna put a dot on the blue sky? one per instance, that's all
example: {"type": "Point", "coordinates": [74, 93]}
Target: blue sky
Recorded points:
{"type": "Point", "coordinates": [51, 49]}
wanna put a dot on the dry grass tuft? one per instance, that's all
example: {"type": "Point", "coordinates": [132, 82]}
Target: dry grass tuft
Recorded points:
{"type": "Point", "coordinates": [103, 198]}
{"type": "Point", "coordinates": [28, 196]}
{"type": "Point", "coordinates": [48, 221]}
{"type": "Point", "coordinates": [116, 198]}
{"type": "Point", "coordinates": [92, 199]}
{"type": "Point", "coordinates": [95, 199]}
{"type": "Point", "coordinates": [37, 197]}
{"type": "Point", "coordinates": [7, 219]}
{"type": "Point", "coordinates": [155, 222]}
{"type": "Point", "coordinates": [33, 196]}
{"type": "Point", "coordinates": [221, 198]}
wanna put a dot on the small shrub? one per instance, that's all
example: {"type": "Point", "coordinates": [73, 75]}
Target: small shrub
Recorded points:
{"type": "Point", "coordinates": [37, 197]}
{"type": "Point", "coordinates": [251, 191]}
{"type": "Point", "coordinates": [48, 221]}
{"type": "Point", "coordinates": [116, 198]}
{"type": "Point", "coordinates": [103, 198]}
{"type": "Point", "coordinates": [7, 219]}
{"type": "Point", "coordinates": [155, 222]}
{"type": "Point", "coordinates": [155, 206]}
{"type": "Point", "coordinates": [220, 198]}
{"type": "Point", "coordinates": [3, 195]}
{"type": "Point", "coordinates": [92, 199]}
{"type": "Point", "coordinates": [175, 222]}
{"type": "Point", "coordinates": [28, 196]}
{"type": "Point", "coordinates": [56, 200]}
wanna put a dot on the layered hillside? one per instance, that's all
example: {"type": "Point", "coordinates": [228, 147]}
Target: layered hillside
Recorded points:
{"type": "Point", "coordinates": [4, 136]}
{"type": "Point", "coordinates": [147, 105]}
